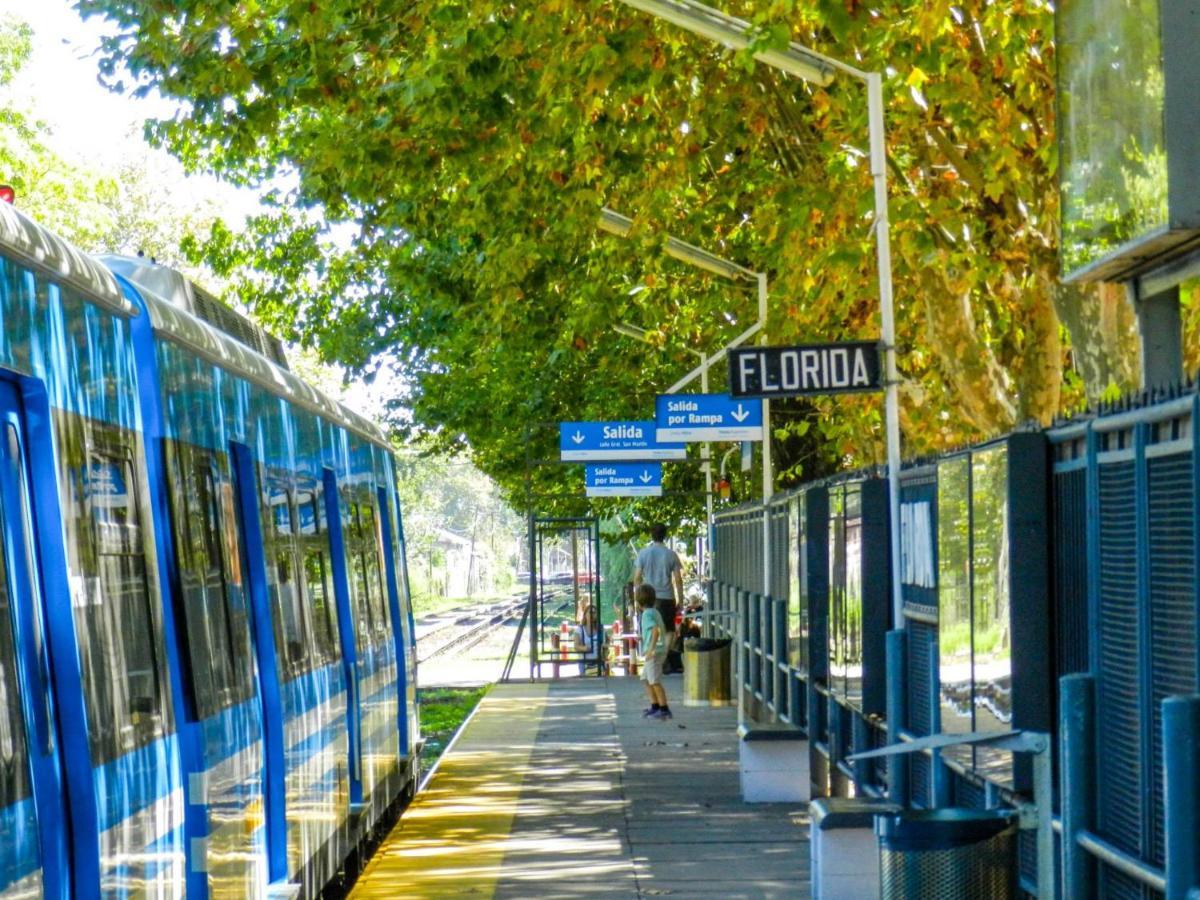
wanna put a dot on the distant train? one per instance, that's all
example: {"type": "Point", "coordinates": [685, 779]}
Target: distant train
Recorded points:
{"type": "Point", "coordinates": [207, 667]}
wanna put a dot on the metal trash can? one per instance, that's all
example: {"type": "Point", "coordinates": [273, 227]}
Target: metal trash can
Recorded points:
{"type": "Point", "coordinates": [706, 672]}
{"type": "Point", "coordinates": [950, 854]}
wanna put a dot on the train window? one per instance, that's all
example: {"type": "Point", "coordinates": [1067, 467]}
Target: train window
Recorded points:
{"type": "Point", "coordinates": [14, 773]}
{"type": "Point", "coordinates": [16, 455]}
{"type": "Point", "coordinates": [372, 541]}
{"type": "Point", "coordinates": [114, 613]}
{"type": "Point", "coordinates": [364, 616]}
{"type": "Point", "coordinates": [285, 581]}
{"type": "Point", "coordinates": [318, 577]}
{"type": "Point", "coordinates": [210, 585]}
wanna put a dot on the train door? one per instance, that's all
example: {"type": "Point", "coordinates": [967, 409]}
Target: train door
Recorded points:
{"type": "Point", "coordinates": [34, 857]}
{"type": "Point", "coordinates": [349, 646]}
{"type": "Point", "coordinates": [400, 623]}
{"type": "Point", "coordinates": [274, 758]}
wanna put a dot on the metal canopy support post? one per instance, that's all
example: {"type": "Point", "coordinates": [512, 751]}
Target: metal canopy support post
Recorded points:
{"type": "Point", "coordinates": [535, 577]}
{"type": "Point", "coordinates": [768, 475]}
{"type": "Point", "coordinates": [883, 252]}
{"type": "Point", "coordinates": [706, 456]}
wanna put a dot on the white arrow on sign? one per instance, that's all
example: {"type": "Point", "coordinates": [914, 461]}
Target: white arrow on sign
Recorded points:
{"type": "Point", "coordinates": [646, 477]}
{"type": "Point", "coordinates": [577, 437]}
{"type": "Point", "coordinates": [740, 414]}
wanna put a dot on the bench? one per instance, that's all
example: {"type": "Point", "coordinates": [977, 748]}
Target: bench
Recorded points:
{"type": "Point", "coordinates": [845, 851]}
{"type": "Point", "coordinates": [773, 761]}
{"type": "Point", "coordinates": [625, 652]}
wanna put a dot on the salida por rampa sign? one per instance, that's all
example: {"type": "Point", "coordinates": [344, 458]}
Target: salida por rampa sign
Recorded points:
{"type": "Point", "coordinates": [844, 368]}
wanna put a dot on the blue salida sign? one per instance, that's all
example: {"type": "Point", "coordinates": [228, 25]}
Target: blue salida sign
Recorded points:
{"type": "Point", "coordinates": [707, 417]}
{"type": "Point", "coordinates": [611, 441]}
{"type": "Point", "coordinates": [624, 480]}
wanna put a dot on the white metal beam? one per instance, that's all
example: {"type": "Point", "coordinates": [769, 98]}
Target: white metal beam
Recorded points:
{"type": "Point", "coordinates": [615, 223]}
{"type": "Point", "coordinates": [737, 34]}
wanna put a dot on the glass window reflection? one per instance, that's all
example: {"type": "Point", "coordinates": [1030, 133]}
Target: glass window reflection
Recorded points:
{"type": "Point", "coordinates": [14, 772]}
{"type": "Point", "coordinates": [797, 596]}
{"type": "Point", "coordinates": [318, 575]}
{"type": "Point", "coordinates": [974, 617]}
{"type": "Point", "coordinates": [837, 590]}
{"type": "Point", "coordinates": [845, 592]}
{"type": "Point", "coordinates": [106, 554]}
{"type": "Point", "coordinates": [1111, 134]}
{"type": "Point", "coordinates": [209, 573]}
{"type": "Point", "coordinates": [954, 594]}
{"type": "Point", "coordinates": [992, 638]}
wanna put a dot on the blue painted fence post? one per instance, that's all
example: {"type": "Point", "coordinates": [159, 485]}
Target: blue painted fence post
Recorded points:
{"type": "Point", "coordinates": [1181, 792]}
{"type": "Point", "coordinates": [939, 774]}
{"type": "Point", "coordinates": [897, 714]}
{"type": "Point", "coordinates": [858, 744]}
{"type": "Point", "coordinates": [1077, 730]}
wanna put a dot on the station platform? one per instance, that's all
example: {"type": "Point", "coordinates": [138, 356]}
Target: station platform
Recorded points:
{"type": "Point", "coordinates": [562, 789]}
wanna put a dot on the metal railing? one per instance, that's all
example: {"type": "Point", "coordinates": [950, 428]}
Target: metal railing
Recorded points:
{"type": "Point", "coordinates": [1113, 499]}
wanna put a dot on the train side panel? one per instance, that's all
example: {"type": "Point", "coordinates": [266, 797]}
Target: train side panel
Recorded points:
{"type": "Point", "coordinates": [372, 628]}
{"type": "Point", "coordinates": [290, 451]}
{"type": "Point", "coordinates": [98, 625]}
{"type": "Point", "coordinates": [175, 707]}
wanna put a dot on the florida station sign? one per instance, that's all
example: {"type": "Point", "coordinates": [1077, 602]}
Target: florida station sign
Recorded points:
{"type": "Point", "coordinates": [844, 368]}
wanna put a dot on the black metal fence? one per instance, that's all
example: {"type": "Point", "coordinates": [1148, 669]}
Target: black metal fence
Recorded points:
{"type": "Point", "coordinates": [1069, 552]}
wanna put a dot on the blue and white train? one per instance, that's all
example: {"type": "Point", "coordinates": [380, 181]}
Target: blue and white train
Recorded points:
{"type": "Point", "coordinates": [207, 668]}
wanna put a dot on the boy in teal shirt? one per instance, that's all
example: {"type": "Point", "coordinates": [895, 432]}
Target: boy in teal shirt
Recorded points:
{"type": "Point", "coordinates": [654, 654]}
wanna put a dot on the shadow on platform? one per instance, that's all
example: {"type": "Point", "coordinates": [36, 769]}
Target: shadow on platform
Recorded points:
{"type": "Point", "coordinates": [562, 789]}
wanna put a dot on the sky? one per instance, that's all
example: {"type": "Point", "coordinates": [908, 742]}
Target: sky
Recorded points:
{"type": "Point", "coordinates": [91, 123]}
{"type": "Point", "coordinates": [61, 80]}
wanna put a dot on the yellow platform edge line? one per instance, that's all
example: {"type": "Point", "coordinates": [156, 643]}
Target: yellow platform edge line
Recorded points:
{"type": "Point", "coordinates": [452, 838]}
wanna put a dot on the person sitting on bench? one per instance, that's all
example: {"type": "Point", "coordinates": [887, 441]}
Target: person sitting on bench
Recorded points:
{"type": "Point", "coordinates": [589, 639]}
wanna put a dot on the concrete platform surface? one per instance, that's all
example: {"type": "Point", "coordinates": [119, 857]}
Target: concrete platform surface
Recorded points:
{"type": "Point", "coordinates": [562, 789]}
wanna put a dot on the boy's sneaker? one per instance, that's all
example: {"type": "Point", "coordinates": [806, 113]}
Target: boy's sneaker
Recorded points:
{"type": "Point", "coordinates": [663, 714]}
{"type": "Point", "coordinates": [650, 712]}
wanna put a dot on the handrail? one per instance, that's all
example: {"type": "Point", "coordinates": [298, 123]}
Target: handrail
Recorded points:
{"type": "Point", "coordinates": [1161, 411]}
{"type": "Point", "coordinates": [1121, 861]}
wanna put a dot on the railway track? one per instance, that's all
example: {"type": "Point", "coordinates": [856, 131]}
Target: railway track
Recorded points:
{"type": "Point", "coordinates": [463, 628]}
{"type": "Point", "coordinates": [457, 630]}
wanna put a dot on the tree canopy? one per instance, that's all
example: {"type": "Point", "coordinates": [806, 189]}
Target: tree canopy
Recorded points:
{"type": "Point", "coordinates": [438, 168]}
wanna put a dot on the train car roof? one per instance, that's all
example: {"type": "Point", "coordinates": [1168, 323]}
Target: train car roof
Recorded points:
{"type": "Point", "coordinates": [183, 293]}
{"type": "Point", "coordinates": [184, 328]}
{"type": "Point", "coordinates": [27, 241]}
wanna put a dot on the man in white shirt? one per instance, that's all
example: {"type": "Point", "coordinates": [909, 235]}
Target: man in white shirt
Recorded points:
{"type": "Point", "coordinates": [659, 566]}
